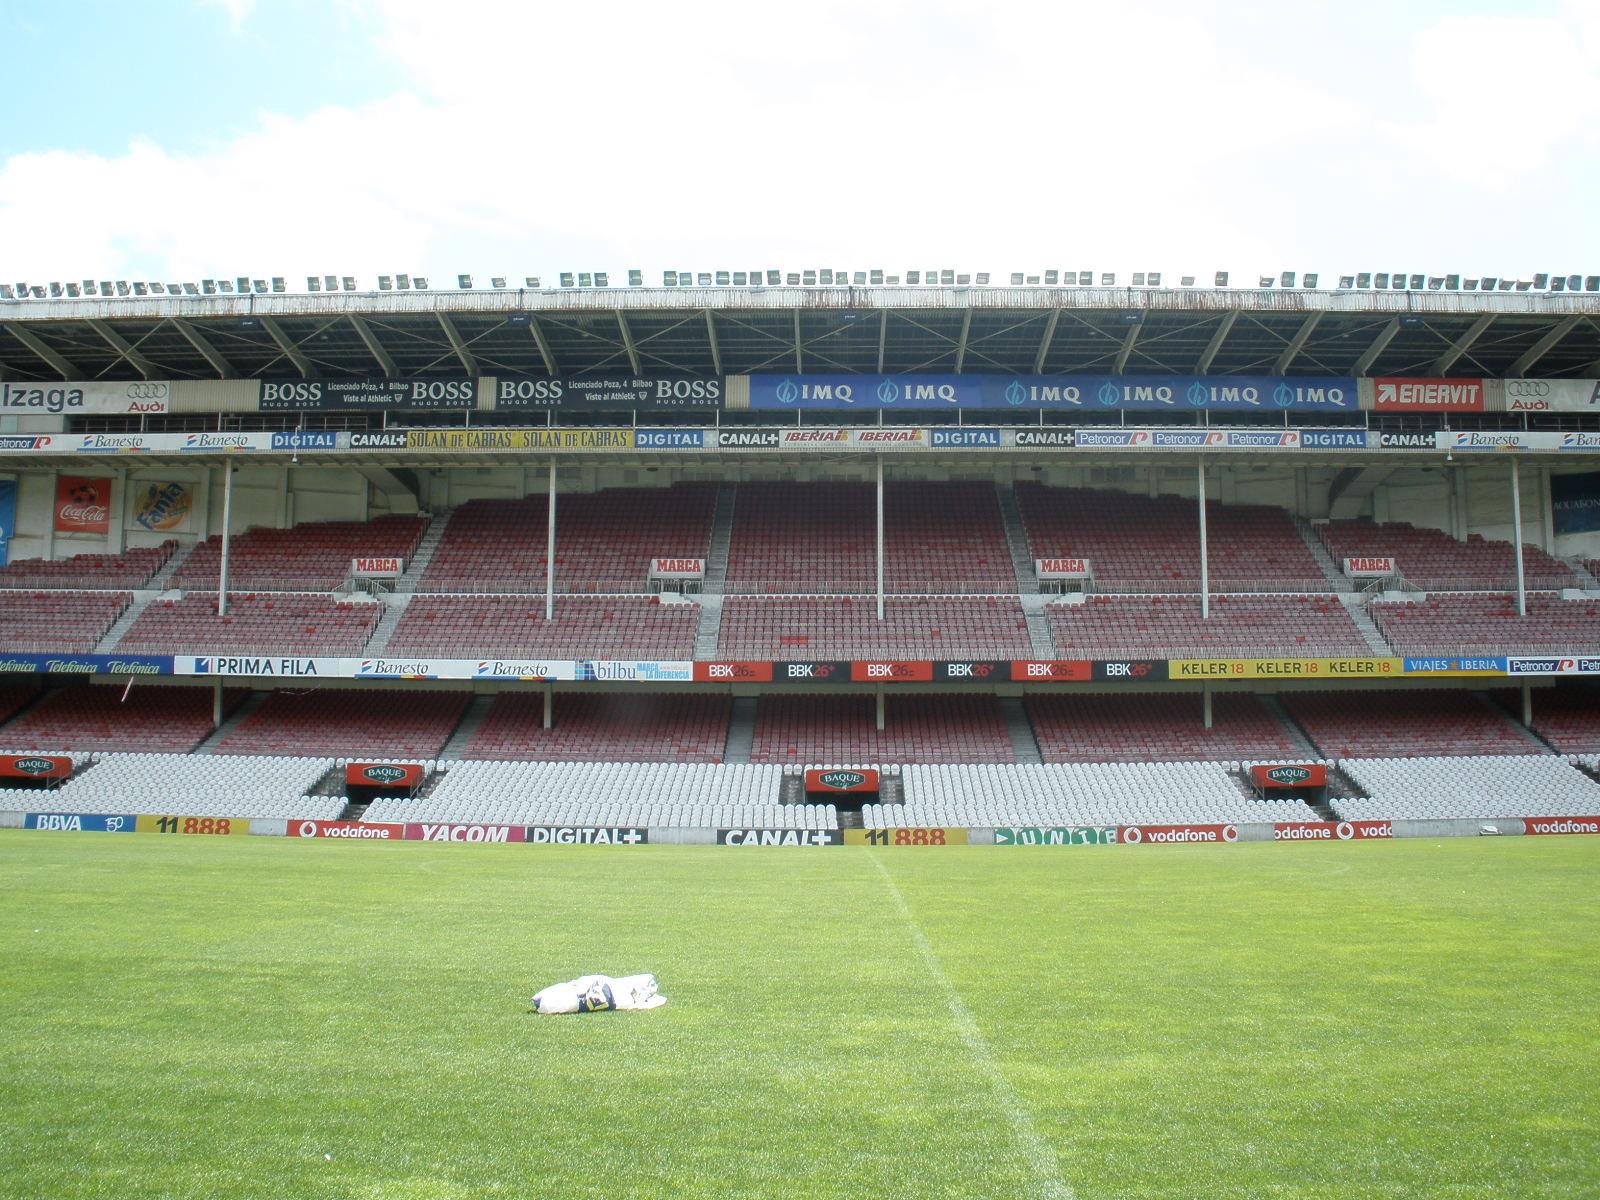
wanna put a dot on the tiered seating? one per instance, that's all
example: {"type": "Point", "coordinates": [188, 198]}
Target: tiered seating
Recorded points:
{"type": "Point", "coordinates": [276, 623]}
{"type": "Point", "coordinates": [188, 785]}
{"type": "Point", "coordinates": [1239, 627]}
{"type": "Point", "coordinates": [130, 569]}
{"type": "Point", "coordinates": [1159, 727]}
{"type": "Point", "coordinates": [604, 727]}
{"type": "Point", "coordinates": [98, 717]}
{"type": "Point", "coordinates": [14, 698]}
{"type": "Point", "coordinates": [830, 627]}
{"type": "Point", "coordinates": [407, 724]}
{"type": "Point", "coordinates": [64, 622]}
{"type": "Point", "coordinates": [603, 627]}
{"type": "Point", "coordinates": [1566, 717]}
{"type": "Point", "coordinates": [610, 794]}
{"type": "Point", "coordinates": [1431, 559]}
{"type": "Point", "coordinates": [1152, 544]}
{"type": "Point", "coordinates": [1409, 723]}
{"type": "Point", "coordinates": [821, 537]}
{"type": "Point", "coordinates": [825, 729]}
{"type": "Point", "coordinates": [307, 558]}
{"type": "Point", "coordinates": [1056, 794]}
{"type": "Point", "coordinates": [1440, 788]}
{"type": "Point", "coordinates": [1489, 624]}
{"type": "Point", "coordinates": [604, 540]}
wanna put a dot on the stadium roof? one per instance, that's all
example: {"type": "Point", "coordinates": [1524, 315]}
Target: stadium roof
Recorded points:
{"type": "Point", "coordinates": [733, 330]}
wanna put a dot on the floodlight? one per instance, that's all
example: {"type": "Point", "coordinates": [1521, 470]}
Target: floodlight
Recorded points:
{"type": "Point", "coordinates": [1033, 280]}
{"type": "Point", "coordinates": [1523, 285]}
{"type": "Point", "coordinates": [402, 282]}
{"type": "Point", "coordinates": [88, 287]}
{"type": "Point", "coordinates": [635, 279]}
{"type": "Point", "coordinates": [1591, 283]}
{"type": "Point", "coordinates": [1069, 278]}
{"type": "Point", "coordinates": [330, 283]}
{"type": "Point", "coordinates": [419, 283]}
{"type": "Point", "coordinates": [189, 289]}
{"type": "Point", "coordinates": [1155, 278]}
{"type": "Point", "coordinates": [1222, 279]}
{"type": "Point", "coordinates": [1138, 279]}
{"type": "Point", "coordinates": [1309, 280]}
{"type": "Point", "coordinates": [530, 281]}
{"type": "Point", "coordinates": [723, 279]}
{"type": "Point", "coordinates": [72, 290]}
{"type": "Point", "coordinates": [808, 277]}
{"type": "Point", "coordinates": [931, 277]}
{"type": "Point", "coordinates": [1287, 279]}
{"type": "Point", "coordinates": [963, 280]}
{"type": "Point", "coordinates": [55, 291]}
{"type": "Point", "coordinates": [754, 277]}
{"type": "Point", "coordinates": [463, 282]}
{"type": "Point", "coordinates": [669, 279]}
{"type": "Point", "coordinates": [122, 287]}
{"type": "Point", "coordinates": [1348, 281]}
{"type": "Point", "coordinates": [1052, 278]}
{"type": "Point", "coordinates": [277, 283]}
{"type": "Point", "coordinates": [913, 277]}
{"type": "Point", "coordinates": [740, 278]}
{"type": "Point", "coordinates": [701, 278]}
{"type": "Point", "coordinates": [1380, 280]}
{"type": "Point", "coordinates": [892, 280]}
{"type": "Point", "coordinates": [6, 292]}
{"type": "Point", "coordinates": [1085, 278]}
{"type": "Point", "coordinates": [983, 278]}
{"type": "Point", "coordinates": [242, 282]}
{"type": "Point", "coordinates": [1435, 282]}
{"type": "Point", "coordinates": [1107, 279]}
{"type": "Point", "coordinates": [1397, 281]}
{"type": "Point", "coordinates": [826, 276]}
{"type": "Point", "coordinates": [38, 291]}
{"type": "Point", "coordinates": [313, 284]}
{"type": "Point", "coordinates": [792, 279]}
{"type": "Point", "coordinates": [601, 279]}
{"type": "Point", "coordinates": [519, 320]}
{"type": "Point", "coordinates": [859, 279]}
{"type": "Point", "coordinates": [497, 281]}
{"type": "Point", "coordinates": [140, 289]}
{"type": "Point", "coordinates": [774, 278]}
{"type": "Point", "coordinates": [156, 289]}
{"type": "Point", "coordinates": [946, 278]}
{"type": "Point", "coordinates": [1416, 283]}
{"type": "Point", "coordinates": [105, 287]}
{"type": "Point", "coordinates": [349, 282]}
{"type": "Point", "coordinates": [1541, 281]}
{"type": "Point", "coordinates": [568, 279]}
{"type": "Point", "coordinates": [1573, 282]}
{"type": "Point", "coordinates": [385, 283]}
{"type": "Point", "coordinates": [585, 279]}
{"type": "Point", "coordinates": [1186, 281]}
{"type": "Point", "coordinates": [1470, 285]}
{"type": "Point", "coordinates": [875, 277]}
{"type": "Point", "coordinates": [1558, 284]}
{"type": "Point", "coordinates": [1507, 284]}
{"type": "Point", "coordinates": [1452, 282]}
{"type": "Point", "coordinates": [1266, 281]}
{"type": "Point", "coordinates": [260, 285]}
{"type": "Point", "coordinates": [224, 285]}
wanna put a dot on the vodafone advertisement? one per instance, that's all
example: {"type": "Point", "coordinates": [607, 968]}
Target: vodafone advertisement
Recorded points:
{"type": "Point", "coordinates": [354, 831]}
{"type": "Point", "coordinates": [1327, 831]}
{"type": "Point", "coordinates": [1545, 826]}
{"type": "Point", "coordinates": [83, 505]}
{"type": "Point", "coordinates": [1427, 395]}
{"type": "Point", "coordinates": [1134, 835]}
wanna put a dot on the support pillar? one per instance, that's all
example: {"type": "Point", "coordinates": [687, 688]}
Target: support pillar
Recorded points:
{"type": "Point", "coordinates": [116, 531]}
{"type": "Point", "coordinates": [1527, 705]}
{"type": "Point", "coordinates": [549, 705]}
{"type": "Point", "coordinates": [550, 548]}
{"type": "Point", "coordinates": [52, 483]}
{"type": "Point", "coordinates": [227, 538]}
{"type": "Point", "coordinates": [216, 704]}
{"type": "Point", "coordinates": [1205, 565]}
{"type": "Point", "coordinates": [1205, 704]}
{"type": "Point", "coordinates": [878, 716]}
{"type": "Point", "coordinates": [1516, 536]}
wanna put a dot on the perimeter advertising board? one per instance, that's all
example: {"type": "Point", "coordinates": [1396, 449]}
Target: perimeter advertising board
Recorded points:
{"type": "Point", "coordinates": [1284, 668]}
{"type": "Point", "coordinates": [607, 393]}
{"type": "Point", "coordinates": [1128, 393]}
{"type": "Point", "coordinates": [84, 398]}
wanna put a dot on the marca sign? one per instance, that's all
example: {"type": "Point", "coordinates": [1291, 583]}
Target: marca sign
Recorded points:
{"type": "Point", "coordinates": [1427, 395]}
{"type": "Point", "coordinates": [146, 396]}
{"type": "Point", "coordinates": [377, 568]}
{"type": "Point", "coordinates": [1358, 568]}
{"type": "Point", "coordinates": [677, 568]}
{"type": "Point", "coordinates": [1062, 568]}
{"type": "Point", "coordinates": [842, 780]}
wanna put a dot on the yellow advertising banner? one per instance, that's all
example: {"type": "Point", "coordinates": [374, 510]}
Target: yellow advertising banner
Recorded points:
{"type": "Point", "coordinates": [905, 837]}
{"type": "Point", "coordinates": [204, 826]}
{"type": "Point", "coordinates": [520, 439]}
{"type": "Point", "coordinates": [1284, 668]}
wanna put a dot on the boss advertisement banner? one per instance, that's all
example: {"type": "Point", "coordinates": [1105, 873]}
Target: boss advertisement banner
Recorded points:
{"type": "Point", "coordinates": [82, 505]}
{"type": "Point", "coordinates": [607, 393]}
{"type": "Point", "coordinates": [369, 394]}
{"type": "Point", "coordinates": [1128, 393]}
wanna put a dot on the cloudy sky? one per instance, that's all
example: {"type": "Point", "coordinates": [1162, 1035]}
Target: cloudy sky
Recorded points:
{"type": "Point", "coordinates": [180, 139]}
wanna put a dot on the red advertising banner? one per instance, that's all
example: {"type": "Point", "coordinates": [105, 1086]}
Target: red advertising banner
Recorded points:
{"type": "Point", "coordinates": [891, 672]}
{"type": "Point", "coordinates": [842, 779]}
{"type": "Point", "coordinates": [418, 832]}
{"type": "Point", "coordinates": [733, 672]}
{"type": "Point", "coordinates": [360, 831]}
{"type": "Point", "coordinates": [83, 505]}
{"type": "Point", "coordinates": [1133, 835]}
{"type": "Point", "coordinates": [1077, 671]}
{"type": "Point", "coordinates": [35, 766]}
{"type": "Point", "coordinates": [402, 776]}
{"type": "Point", "coordinates": [1327, 831]}
{"type": "Point", "coordinates": [1544, 826]}
{"type": "Point", "coordinates": [1290, 775]}
{"type": "Point", "coordinates": [1427, 395]}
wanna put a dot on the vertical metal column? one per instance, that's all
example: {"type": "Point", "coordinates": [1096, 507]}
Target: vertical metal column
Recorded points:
{"type": "Point", "coordinates": [227, 538]}
{"type": "Point", "coordinates": [1205, 566]}
{"type": "Point", "coordinates": [1516, 537]}
{"type": "Point", "coordinates": [1527, 705]}
{"type": "Point", "coordinates": [880, 556]}
{"type": "Point", "coordinates": [880, 711]}
{"type": "Point", "coordinates": [216, 704]}
{"type": "Point", "coordinates": [1205, 703]}
{"type": "Point", "coordinates": [550, 548]}
{"type": "Point", "coordinates": [549, 704]}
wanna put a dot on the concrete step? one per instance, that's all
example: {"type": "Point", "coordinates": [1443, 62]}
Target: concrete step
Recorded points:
{"type": "Point", "coordinates": [470, 720]}
{"type": "Point", "coordinates": [1023, 743]}
{"type": "Point", "coordinates": [1330, 569]}
{"type": "Point", "coordinates": [741, 730]}
{"type": "Point", "coordinates": [230, 722]}
{"type": "Point", "coordinates": [1298, 737]}
{"type": "Point", "coordinates": [1017, 540]}
{"type": "Point", "coordinates": [394, 607]}
{"type": "Point", "coordinates": [119, 627]}
{"type": "Point", "coordinates": [427, 545]}
{"type": "Point", "coordinates": [708, 634]}
{"type": "Point", "coordinates": [1034, 612]}
{"type": "Point", "coordinates": [1370, 633]}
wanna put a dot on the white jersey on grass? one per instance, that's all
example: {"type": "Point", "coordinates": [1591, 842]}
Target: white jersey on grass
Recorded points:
{"type": "Point", "coordinates": [599, 993]}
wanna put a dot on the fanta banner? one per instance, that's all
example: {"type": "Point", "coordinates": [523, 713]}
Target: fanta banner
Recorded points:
{"type": "Point", "coordinates": [401, 776]}
{"type": "Point", "coordinates": [1290, 775]}
{"type": "Point", "coordinates": [83, 505]}
{"type": "Point", "coordinates": [163, 507]}
{"type": "Point", "coordinates": [35, 766]}
{"type": "Point", "coordinates": [842, 779]}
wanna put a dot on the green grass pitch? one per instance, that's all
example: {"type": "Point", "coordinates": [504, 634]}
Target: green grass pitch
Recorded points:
{"type": "Point", "coordinates": [185, 1017]}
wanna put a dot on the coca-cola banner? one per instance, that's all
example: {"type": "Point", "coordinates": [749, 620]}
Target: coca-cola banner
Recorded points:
{"type": "Point", "coordinates": [83, 505]}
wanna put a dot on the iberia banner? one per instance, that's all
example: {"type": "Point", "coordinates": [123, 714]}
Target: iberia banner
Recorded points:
{"type": "Point", "coordinates": [83, 505]}
{"type": "Point", "coordinates": [1283, 668]}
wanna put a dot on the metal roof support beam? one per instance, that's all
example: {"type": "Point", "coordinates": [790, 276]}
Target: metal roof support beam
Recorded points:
{"type": "Point", "coordinates": [1370, 354]}
{"type": "Point", "coordinates": [58, 363]}
{"type": "Point", "coordinates": [290, 351]}
{"type": "Point", "coordinates": [540, 341]}
{"type": "Point", "coordinates": [627, 341]}
{"type": "Point", "coordinates": [1442, 364]}
{"type": "Point", "coordinates": [468, 363]}
{"type": "Point", "coordinates": [1544, 345]}
{"type": "Point", "coordinates": [883, 339]}
{"type": "Point", "coordinates": [1214, 346]}
{"type": "Point", "coordinates": [1127, 348]}
{"type": "Point", "coordinates": [123, 347]}
{"type": "Point", "coordinates": [1044, 342]}
{"type": "Point", "coordinates": [711, 336]}
{"type": "Point", "coordinates": [1296, 344]}
{"type": "Point", "coordinates": [799, 363]}
{"type": "Point", "coordinates": [375, 347]}
{"type": "Point", "coordinates": [210, 353]}
{"type": "Point", "coordinates": [961, 346]}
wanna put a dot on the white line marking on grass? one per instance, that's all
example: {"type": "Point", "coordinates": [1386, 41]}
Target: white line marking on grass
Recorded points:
{"type": "Point", "coordinates": [1036, 1151]}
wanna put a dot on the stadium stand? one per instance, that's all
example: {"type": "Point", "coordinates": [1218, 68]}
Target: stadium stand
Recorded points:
{"type": "Point", "coordinates": [1433, 560]}
{"type": "Point", "coordinates": [100, 717]}
{"type": "Point", "coordinates": [1140, 543]}
{"type": "Point", "coordinates": [189, 785]}
{"type": "Point", "coordinates": [515, 627]}
{"type": "Point", "coordinates": [604, 727]}
{"type": "Point", "coordinates": [1239, 626]}
{"type": "Point", "coordinates": [1405, 724]}
{"type": "Point", "coordinates": [1435, 788]}
{"type": "Point", "coordinates": [695, 795]}
{"type": "Point", "coordinates": [348, 724]}
{"type": "Point", "coordinates": [273, 623]}
{"type": "Point", "coordinates": [311, 557]}
{"type": "Point", "coordinates": [62, 622]}
{"type": "Point", "coordinates": [1568, 718]}
{"type": "Point", "coordinates": [1076, 794]}
{"type": "Point", "coordinates": [604, 540]}
{"type": "Point", "coordinates": [821, 628]}
{"type": "Point", "coordinates": [1489, 624]}
{"type": "Point", "coordinates": [811, 729]}
{"type": "Point", "coordinates": [121, 572]}
{"type": "Point", "coordinates": [1160, 727]}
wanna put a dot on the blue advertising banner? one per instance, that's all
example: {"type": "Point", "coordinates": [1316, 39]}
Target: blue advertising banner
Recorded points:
{"type": "Point", "coordinates": [8, 517]}
{"type": "Point", "coordinates": [1129, 393]}
{"type": "Point", "coordinates": [86, 664]}
{"type": "Point", "coordinates": [80, 822]}
{"type": "Point", "coordinates": [1574, 502]}
{"type": "Point", "coordinates": [669, 439]}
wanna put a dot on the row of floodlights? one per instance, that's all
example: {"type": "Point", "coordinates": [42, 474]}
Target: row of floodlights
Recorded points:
{"type": "Point", "coordinates": [244, 285]}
